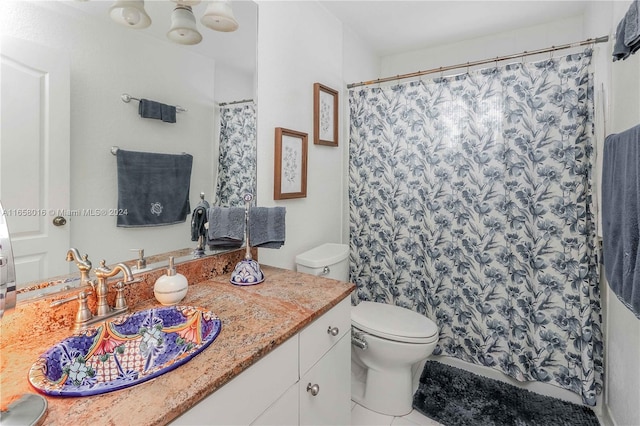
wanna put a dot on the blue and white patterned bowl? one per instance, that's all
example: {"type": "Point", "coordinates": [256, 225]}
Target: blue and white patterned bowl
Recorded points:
{"type": "Point", "coordinates": [124, 351]}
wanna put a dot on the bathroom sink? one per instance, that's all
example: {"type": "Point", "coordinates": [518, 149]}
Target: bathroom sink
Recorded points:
{"type": "Point", "coordinates": [124, 351]}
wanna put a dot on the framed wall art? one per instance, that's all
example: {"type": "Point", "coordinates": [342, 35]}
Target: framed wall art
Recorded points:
{"type": "Point", "coordinates": [325, 115]}
{"type": "Point", "coordinates": [290, 167]}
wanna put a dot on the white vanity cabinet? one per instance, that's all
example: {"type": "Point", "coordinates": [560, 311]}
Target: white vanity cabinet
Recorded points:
{"type": "Point", "coordinates": [306, 380]}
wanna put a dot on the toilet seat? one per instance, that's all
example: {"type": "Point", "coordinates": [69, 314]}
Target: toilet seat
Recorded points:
{"type": "Point", "coordinates": [393, 323]}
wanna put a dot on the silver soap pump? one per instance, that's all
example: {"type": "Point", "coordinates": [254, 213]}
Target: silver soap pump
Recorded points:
{"type": "Point", "coordinates": [171, 288]}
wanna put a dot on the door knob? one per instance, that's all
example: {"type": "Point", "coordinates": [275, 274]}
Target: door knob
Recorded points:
{"type": "Point", "coordinates": [334, 331]}
{"type": "Point", "coordinates": [59, 221]}
{"type": "Point", "coordinates": [313, 389]}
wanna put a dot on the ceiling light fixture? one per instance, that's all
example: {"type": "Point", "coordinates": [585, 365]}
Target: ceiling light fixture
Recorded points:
{"type": "Point", "coordinates": [219, 16]}
{"type": "Point", "coordinates": [183, 26]}
{"type": "Point", "coordinates": [130, 13]}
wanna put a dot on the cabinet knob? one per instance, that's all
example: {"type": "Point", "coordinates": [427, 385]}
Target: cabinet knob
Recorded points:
{"type": "Point", "coordinates": [334, 331]}
{"type": "Point", "coordinates": [313, 389]}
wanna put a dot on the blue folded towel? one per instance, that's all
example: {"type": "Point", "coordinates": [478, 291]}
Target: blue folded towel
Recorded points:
{"type": "Point", "coordinates": [628, 33]}
{"type": "Point", "coordinates": [153, 189]}
{"type": "Point", "coordinates": [621, 216]}
{"type": "Point", "coordinates": [157, 110]}
{"type": "Point", "coordinates": [267, 227]}
{"type": "Point", "coordinates": [226, 227]}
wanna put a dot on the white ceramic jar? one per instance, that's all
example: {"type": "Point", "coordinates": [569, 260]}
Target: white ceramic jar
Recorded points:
{"type": "Point", "coordinates": [171, 288]}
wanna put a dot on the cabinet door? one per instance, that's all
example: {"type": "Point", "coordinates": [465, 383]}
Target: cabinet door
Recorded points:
{"type": "Point", "coordinates": [283, 412]}
{"type": "Point", "coordinates": [332, 374]}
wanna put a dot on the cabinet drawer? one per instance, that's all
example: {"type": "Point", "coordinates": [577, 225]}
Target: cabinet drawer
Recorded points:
{"type": "Point", "coordinates": [247, 395]}
{"type": "Point", "coordinates": [316, 340]}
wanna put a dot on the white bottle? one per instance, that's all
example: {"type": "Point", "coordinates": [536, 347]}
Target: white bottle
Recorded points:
{"type": "Point", "coordinates": [171, 288]}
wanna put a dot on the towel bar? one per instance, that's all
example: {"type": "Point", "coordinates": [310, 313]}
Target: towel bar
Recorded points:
{"type": "Point", "coordinates": [115, 148]}
{"type": "Point", "coordinates": [128, 98]}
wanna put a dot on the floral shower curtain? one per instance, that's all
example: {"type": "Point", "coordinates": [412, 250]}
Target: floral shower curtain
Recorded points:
{"type": "Point", "coordinates": [237, 158]}
{"type": "Point", "coordinates": [471, 203]}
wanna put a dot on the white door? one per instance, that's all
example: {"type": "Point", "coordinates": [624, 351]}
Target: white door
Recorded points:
{"type": "Point", "coordinates": [34, 155]}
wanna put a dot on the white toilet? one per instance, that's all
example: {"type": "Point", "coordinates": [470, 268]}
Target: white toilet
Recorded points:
{"type": "Point", "coordinates": [387, 340]}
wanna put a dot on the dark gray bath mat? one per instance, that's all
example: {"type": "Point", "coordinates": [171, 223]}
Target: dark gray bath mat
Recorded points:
{"type": "Point", "coordinates": [456, 397]}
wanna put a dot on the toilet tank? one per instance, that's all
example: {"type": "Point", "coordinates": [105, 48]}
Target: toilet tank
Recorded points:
{"type": "Point", "coordinates": [328, 260]}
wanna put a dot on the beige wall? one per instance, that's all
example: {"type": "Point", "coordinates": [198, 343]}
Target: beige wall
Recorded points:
{"type": "Point", "coordinates": [299, 44]}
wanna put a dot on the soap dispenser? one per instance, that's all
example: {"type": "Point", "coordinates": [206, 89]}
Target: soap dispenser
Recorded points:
{"type": "Point", "coordinates": [171, 288]}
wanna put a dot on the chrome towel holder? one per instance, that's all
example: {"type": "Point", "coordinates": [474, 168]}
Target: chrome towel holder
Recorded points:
{"type": "Point", "coordinates": [128, 98]}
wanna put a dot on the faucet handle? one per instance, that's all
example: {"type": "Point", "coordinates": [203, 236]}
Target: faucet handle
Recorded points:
{"type": "Point", "coordinates": [84, 313]}
{"type": "Point", "coordinates": [121, 301]}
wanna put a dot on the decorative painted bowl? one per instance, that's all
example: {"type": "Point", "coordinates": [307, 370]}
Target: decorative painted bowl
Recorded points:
{"type": "Point", "coordinates": [124, 351]}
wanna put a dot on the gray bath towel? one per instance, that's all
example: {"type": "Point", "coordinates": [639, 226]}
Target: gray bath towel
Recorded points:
{"type": "Point", "coordinates": [226, 227]}
{"type": "Point", "coordinates": [157, 110]}
{"type": "Point", "coordinates": [153, 189]}
{"type": "Point", "coordinates": [267, 227]}
{"type": "Point", "coordinates": [620, 215]}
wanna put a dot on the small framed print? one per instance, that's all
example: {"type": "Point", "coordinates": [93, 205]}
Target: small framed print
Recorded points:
{"type": "Point", "coordinates": [290, 167]}
{"type": "Point", "coordinates": [325, 115]}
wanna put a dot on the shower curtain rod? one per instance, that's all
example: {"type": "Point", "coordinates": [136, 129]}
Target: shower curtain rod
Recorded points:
{"type": "Point", "coordinates": [235, 102]}
{"type": "Point", "coordinates": [588, 41]}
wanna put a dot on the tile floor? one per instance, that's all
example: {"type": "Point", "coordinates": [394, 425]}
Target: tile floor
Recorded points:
{"type": "Point", "coordinates": [361, 416]}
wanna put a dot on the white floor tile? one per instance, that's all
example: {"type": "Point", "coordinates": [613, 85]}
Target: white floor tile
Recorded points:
{"type": "Point", "coordinates": [360, 416]}
{"type": "Point", "coordinates": [416, 417]}
{"type": "Point", "coordinates": [402, 421]}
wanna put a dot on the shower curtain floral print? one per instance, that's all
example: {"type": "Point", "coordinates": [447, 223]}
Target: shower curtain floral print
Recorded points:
{"type": "Point", "coordinates": [237, 158]}
{"type": "Point", "coordinates": [471, 203]}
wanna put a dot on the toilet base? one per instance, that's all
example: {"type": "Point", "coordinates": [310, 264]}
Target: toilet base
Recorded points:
{"type": "Point", "coordinates": [389, 393]}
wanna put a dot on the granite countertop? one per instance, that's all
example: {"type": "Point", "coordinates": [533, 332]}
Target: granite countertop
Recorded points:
{"type": "Point", "coordinates": [255, 320]}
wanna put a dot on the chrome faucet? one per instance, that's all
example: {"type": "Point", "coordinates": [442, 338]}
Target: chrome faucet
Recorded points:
{"type": "Point", "coordinates": [83, 264]}
{"type": "Point", "coordinates": [102, 273]}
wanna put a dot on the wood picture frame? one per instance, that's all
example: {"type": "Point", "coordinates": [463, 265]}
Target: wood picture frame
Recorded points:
{"type": "Point", "coordinates": [325, 115]}
{"type": "Point", "coordinates": [290, 166]}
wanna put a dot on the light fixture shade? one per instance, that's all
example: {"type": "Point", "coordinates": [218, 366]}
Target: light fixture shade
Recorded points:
{"type": "Point", "coordinates": [187, 2]}
{"type": "Point", "coordinates": [219, 16]}
{"type": "Point", "coordinates": [130, 13]}
{"type": "Point", "coordinates": [183, 26]}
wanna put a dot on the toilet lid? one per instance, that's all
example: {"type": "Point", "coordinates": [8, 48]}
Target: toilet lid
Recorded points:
{"type": "Point", "coordinates": [393, 322]}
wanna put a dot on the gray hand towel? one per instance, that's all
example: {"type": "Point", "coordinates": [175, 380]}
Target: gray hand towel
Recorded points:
{"type": "Point", "coordinates": [150, 109]}
{"type": "Point", "coordinates": [226, 227]}
{"type": "Point", "coordinates": [198, 220]}
{"type": "Point", "coordinates": [153, 189]}
{"type": "Point", "coordinates": [267, 227]}
{"type": "Point", "coordinates": [621, 216]}
{"type": "Point", "coordinates": [628, 33]}
{"type": "Point", "coordinates": [632, 26]}
{"type": "Point", "coordinates": [168, 113]}
{"type": "Point", "coordinates": [620, 50]}
{"type": "Point", "coordinates": [157, 110]}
